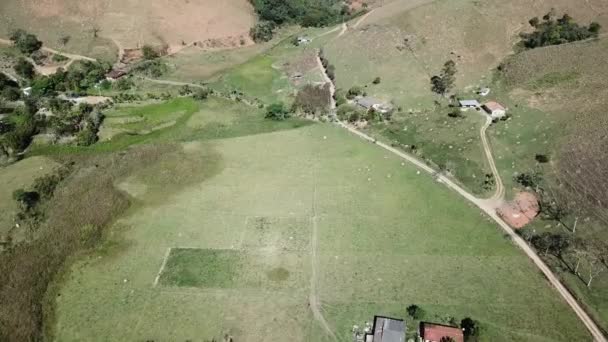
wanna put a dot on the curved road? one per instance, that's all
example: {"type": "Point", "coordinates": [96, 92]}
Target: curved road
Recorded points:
{"type": "Point", "coordinates": [486, 206]}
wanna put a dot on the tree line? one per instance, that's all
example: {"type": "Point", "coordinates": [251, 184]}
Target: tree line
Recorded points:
{"type": "Point", "coordinates": [553, 30]}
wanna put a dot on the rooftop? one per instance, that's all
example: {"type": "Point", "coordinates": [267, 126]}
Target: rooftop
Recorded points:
{"type": "Point", "coordinates": [434, 332]}
{"type": "Point", "coordinates": [388, 329]}
{"type": "Point", "coordinates": [492, 105]}
{"type": "Point", "coordinates": [368, 102]}
{"type": "Point", "coordinates": [468, 103]}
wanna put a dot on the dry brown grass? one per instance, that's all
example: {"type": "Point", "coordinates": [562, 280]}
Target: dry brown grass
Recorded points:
{"type": "Point", "coordinates": [88, 198]}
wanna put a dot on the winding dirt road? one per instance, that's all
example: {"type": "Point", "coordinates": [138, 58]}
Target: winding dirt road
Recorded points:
{"type": "Point", "coordinates": [487, 206]}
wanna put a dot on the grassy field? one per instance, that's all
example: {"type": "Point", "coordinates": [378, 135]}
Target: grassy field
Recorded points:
{"type": "Point", "coordinates": [406, 42]}
{"type": "Point", "coordinates": [232, 253]}
{"type": "Point", "coordinates": [19, 176]}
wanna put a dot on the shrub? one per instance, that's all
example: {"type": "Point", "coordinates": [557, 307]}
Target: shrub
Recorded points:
{"type": "Point", "coordinates": [277, 111]}
{"type": "Point", "coordinates": [149, 52]}
{"type": "Point", "coordinates": [470, 329]}
{"type": "Point", "coordinates": [313, 99]}
{"type": "Point", "coordinates": [354, 92]}
{"type": "Point", "coordinates": [542, 158]}
{"type": "Point", "coordinates": [59, 58]}
{"type": "Point", "coordinates": [86, 137]}
{"type": "Point", "coordinates": [24, 69]}
{"type": "Point", "coordinates": [456, 113]}
{"type": "Point", "coordinates": [201, 94]}
{"type": "Point", "coordinates": [124, 84]}
{"type": "Point", "coordinates": [415, 311]}
{"type": "Point", "coordinates": [376, 80]}
{"type": "Point", "coordinates": [26, 43]}
{"type": "Point", "coordinates": [262, 31]}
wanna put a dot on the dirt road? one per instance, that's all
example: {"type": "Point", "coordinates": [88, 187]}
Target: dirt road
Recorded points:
{"type": "Point", "coordinates": [487, 207]}
{"type": "Point", "coordinates": [499, 193]}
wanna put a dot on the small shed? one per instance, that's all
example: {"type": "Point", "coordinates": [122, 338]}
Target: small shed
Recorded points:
{"type": "Point", "coordinates": [303, 40]}
{"type": "Point", "coordinates": [27, 91]}
{"type": "Point", "coordinates": [495, 109]}
{"type": "Point", "coordinates": [432, 332]}
{"type": "Point", "coordinates": [466, 104]}
{"type": "Point", "coordinates": [483, 91]}
{"type": "Point", "coordinates": [115, 74]}
{"type": "Point", "coordinates": [372, 103]}
{"type": "Point", "coordinates": [387, 329]}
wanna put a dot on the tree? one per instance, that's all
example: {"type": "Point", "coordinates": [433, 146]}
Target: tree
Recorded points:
{"type": "Point", "coordinates": [529, 180]}
{"type": "Point", "coordinates": [201, 94]}
{"type": "Point", "coordinates": [470, 329]}
{"type": "Point", "coordinates": [262, 31]}
{"type": "Point", "coordinates": [443, 83]}
{"type": "Point", "coordinates": [149, 52]}
{"type": "Point", "coordinates": [25, 69]}
{"type": "Point", "coordinates": [542, 158]}
{"type": "Point", "coordinates": [26, 43]}
{"type": "Point", "coordinates": [277, 111]}
{"type": "Point", "coordinates": [27, 199]}
{"type": "Point", "coordinates": [534, 22]}
{"type": "Point", "coordinates": [376, 80]}
{"type": "Point", "coordinates": [415, 311]}
{"type": "Point", "coordinates": [594, 28]}
{"type": "Point", "coordinates": [597, 258]}
{"type": "Point", "coordinates": [64, 40]}
{"type": "Point", "coordinates": [354, 92]}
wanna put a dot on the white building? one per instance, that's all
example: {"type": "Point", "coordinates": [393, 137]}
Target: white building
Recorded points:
{"type": "Point", "coordinates": [466, 104]}
{"type": "Point", "coordinates": [495, 109]}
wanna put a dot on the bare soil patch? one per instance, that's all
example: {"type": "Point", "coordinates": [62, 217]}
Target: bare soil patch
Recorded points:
{"type": "Point", "coordinates": [521, 211]}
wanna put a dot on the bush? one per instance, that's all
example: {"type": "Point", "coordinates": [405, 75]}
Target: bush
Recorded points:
{"type": "Point", "coordinates": [470, 329]}
{"type": "Point", "coordinates": [262, 31]}
{"type": "Point", "coordinates": [152, 68]}
{"type": "Point", "coordinates": [354, 92]}
{"type": "Point", "coordinates": [542, 158]}
{"type": "Point", "coordinates": [24, 69]}
{"type": "Point", "coordinates": [25, 42]}
{"type": "Point", "coordinates": [124, 84]}
{"type": "Point", "coordinates": [11, 93]}
{"type": "Point", "coordinates": [149, 52]}
{"type": "Point", "coordinates": [59, 58]}
{"type": "Point", "coordinates": [201, 94]}
{"type": "Point", "coordinates": [456, 113]}
{"type": "Point", "coordinates": [313, 99]}
{"type": "Point", "coordinates": [277, 111]}
{"type": "Point", "coordinates": [86, 137]}
{"type": "Point", "coordinates": [415, 311]}
{"type": "Point", "coordinates": [185, 90]}
{"type": "Point", "coordinates": [376, 80]}
{"type": "Point", "coordinates": [27, 199]}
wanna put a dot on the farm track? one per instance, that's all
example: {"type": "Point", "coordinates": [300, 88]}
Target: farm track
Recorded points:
{"type": "Point", "coordinates": [486, 206]}
{"type": "Point", "coordinates": [499, 193]}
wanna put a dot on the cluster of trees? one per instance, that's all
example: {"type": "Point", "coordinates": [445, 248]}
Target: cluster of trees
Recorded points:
{"type": "Point", "coordinates": [444, 82]}
{"type": "Point", "coordinates": [27, 43]}
{"type": "Point", "coordinates": [78, 78]}
{"type": "Point", "coordinates": [277, 111]}
{"type": "Point", "coordinates": [330, 69]}
{"type": "Point", "coordinates": [317, 13]}
{"type": "Point", "coordinates": [554, 31]}
{"type": "Point", "coordinates": [9, 89]}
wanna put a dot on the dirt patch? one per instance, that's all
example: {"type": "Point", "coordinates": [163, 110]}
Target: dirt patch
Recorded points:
{"type": "Point", "coordinates": [521, 211]}
{"type": "Point", "coordinates": [135, 22]}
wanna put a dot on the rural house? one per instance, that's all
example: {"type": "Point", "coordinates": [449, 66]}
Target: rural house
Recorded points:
{"type": "Point", "coordinates": [371, 103]}
{"type": "Point", "coordinates": [431, 332]}
{"type": "Point", "coordinates": [495, 109]}
{"type": "Point", "coordinates": [466, 104]}
{"type": "Point", "coordinates": [387, 329]}
{"type": "Point", "coordinates": [115, 74]}
{"type": "Point", "coordinates": [303, 40]}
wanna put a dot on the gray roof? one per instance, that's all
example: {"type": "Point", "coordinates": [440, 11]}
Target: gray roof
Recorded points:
{"type": "Point", "coordinates": [389, 330]}
{"type": "Point", "coordinates": [368, 102]}
{"type": "Point", "coordinates": [468, 103]}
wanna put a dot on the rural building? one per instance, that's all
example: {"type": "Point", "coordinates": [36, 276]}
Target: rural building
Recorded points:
{"type": "Point", "coordinates": [371, 103]}
{"type": "Point", "coordinates": [115, 74]}
{"type": "Point", "coordinates": [495, 109]}
{"type": "Point", "coordinates": [27, 91]}
{"type": "Point", "coordinates": [483, 91]}
{"type": "Point", "coordinates": [431, 332]}
{"type": "Point", "coordinates": [466, 104]}
{"type": "Point", "coordinates": [387, 329]}
{"type": "Point", "coordinates": [303, 40]}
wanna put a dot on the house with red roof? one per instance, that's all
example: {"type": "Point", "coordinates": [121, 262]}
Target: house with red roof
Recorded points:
{"type": "Point", "coordinates": [495, 109]}
{"type": "Point", "coordinates": [432, 332]}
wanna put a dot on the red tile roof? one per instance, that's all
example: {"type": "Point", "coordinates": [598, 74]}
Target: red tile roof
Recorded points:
{"type": "Point", "coordinates": [492, 106]}
{"type": "Point", "coordinates": [434, 332]}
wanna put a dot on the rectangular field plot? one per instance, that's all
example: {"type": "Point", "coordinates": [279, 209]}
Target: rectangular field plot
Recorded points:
{"type": "Point", "coordinates": [193, 267]}
{"type": "Point", "coordinates": [233, 269]}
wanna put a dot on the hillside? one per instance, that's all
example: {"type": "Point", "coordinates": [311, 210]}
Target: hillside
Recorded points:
{"type": "Point", "coordinates": [129, 23]}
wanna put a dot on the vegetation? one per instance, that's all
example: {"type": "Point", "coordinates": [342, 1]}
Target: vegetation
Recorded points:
{"type": "Point", "coordinates": [444, 82]}
{"type": "Point", "coordinates": [9, 89]}
{"type": "Point", "coordinates": [149, 52]}
{"type": "Point", "coordinates": [152, 68]}
{"type": "Point", "coordinates": [313, 99]}
{"type": "Point", "coordinates": [27, 43]}
{"type": "Point", "coordinates": [80, 77]}
{"type": "Point", "coordinates": [415, 312]}
{"type": "Point", "coordinates": [277, 111]}
{"type": "Point", "coordinates": [25, 69]}
{"type": "Point", "coordinates": [552, 31]}
{"type": "Point", "coordinates": [303, 12]}
{"type": "Point", "coordinates": [262, 31]}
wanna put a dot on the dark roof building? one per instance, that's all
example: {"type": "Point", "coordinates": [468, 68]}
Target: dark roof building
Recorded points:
{"type": "Point", "coordinates": [387, 329]}
{"type": "Point", "coordinates": [431, 332]}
